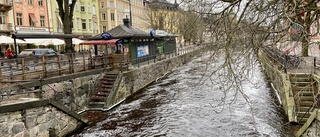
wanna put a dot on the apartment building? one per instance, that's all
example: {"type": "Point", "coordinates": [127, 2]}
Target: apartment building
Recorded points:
{"type": "Point", "coordinates": [112, 13]}
{"type": "Point", "coordinates": [6, 26]}
{"type": "Point", "coordinates": [31, 16]}
{"type": "Point", "coordinates": [85, 18]}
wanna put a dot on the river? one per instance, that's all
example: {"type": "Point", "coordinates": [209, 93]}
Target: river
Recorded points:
{"type": "Point", "coordinates": [185, 104]}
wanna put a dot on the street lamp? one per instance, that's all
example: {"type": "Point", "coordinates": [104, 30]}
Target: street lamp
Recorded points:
{"type": "Point", "coordinates": [130, 13]}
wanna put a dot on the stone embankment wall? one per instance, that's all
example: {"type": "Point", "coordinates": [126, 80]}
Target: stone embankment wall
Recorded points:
{"type": "Point", "coordinates": [43, 118]}
{"type": "Point", "coordinates": [73, 93]}
{"type": "Point", "coordinates": [281, 83]}
{"type": "Point", "coordinates": [132, 81]}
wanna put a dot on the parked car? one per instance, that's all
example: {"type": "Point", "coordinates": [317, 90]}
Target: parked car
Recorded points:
{"type": "Point", "coordinates": [38, 53]}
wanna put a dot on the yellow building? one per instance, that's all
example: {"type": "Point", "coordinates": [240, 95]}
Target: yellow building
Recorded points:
{"type": "Point", "coordinates": [163, 15]}
{"type": "Point", "coordinates": [85, 18]}
{"type": "Point", "coordinates": [112, 13]}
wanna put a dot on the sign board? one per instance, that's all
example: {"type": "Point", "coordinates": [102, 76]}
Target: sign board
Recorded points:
{"type": "Point", "coordinates": [153, 33]}
{"type": "Point", "coordinates": [142, 51]}
{"type": "Point", "coordinates": [106, 35]}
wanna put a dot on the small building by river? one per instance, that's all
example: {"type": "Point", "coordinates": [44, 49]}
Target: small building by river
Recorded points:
{"type": "Point", "coordinates": [136, 44]}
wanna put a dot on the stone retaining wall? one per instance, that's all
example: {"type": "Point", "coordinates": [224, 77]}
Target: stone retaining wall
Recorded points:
{"type": "Point", "coordinates": [74, 93]}
{"type": "Point", "coordinates": [134, 80]}
{"type": "Point", "coordinates": [41, 118]}
{"type": "Point", "coordinates": [281, 83]}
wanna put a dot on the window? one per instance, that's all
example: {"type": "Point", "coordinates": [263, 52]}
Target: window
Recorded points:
{"type": "Point", "coordinates": [103, 16]}
{"type": "Point", "coordinates": [102, 4]}
{"type": "Point", "coordinates": [78, 23]}
{"type": "Point", "coordinates": [104, 28]}
{"type": "Point", "coordinates": [19, 19]}
{"type": "Point", "coordinates": [84, 25]}
{"type": "Point", "coordinates": [111, 4]}
{"type": "Point", "coordinates": [95, 30]}
{"type": "Point", "coordinates": [89, 9]}
{"type": "Point", "coordinates": [83, 9]}
{"type": "Point", "coordinates": [31, 23]}
{"type": "Point", "coordinates": [29, 1]}
{"type": "Point", "coordinates": [42, 21]}
{"type": "Point", "coordinates": [94, 10]}
{"type": "Point", "coordinates": [2, 18]}
{"type": "Point", "coordinates": [40, 2]}
{"type": "Point", "coordinates": [76, 6]}
{"type": "Point", "coordinates": [90, 27]}
{"type": "Point", "coordinates": [112, 16]}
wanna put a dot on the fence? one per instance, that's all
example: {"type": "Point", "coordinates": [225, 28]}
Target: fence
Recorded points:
{"type": "Point", "coordinates": [26, 69]}
{"type": "Point", "coordinates": [35, 68]}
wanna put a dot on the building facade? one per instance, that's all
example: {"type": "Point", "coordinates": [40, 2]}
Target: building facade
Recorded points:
{"type": "Point", "coordinates": [31, 16]}
{"type": "Point", "coordinates": [163, 15]}
{"type": "Point", "coordinates": [112, 13]}
{"type": "Point", "coordinates": [6, 19]}
{"type": "Point", "coordinates": [85, 18]}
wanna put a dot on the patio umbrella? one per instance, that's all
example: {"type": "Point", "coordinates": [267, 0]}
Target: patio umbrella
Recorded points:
{"type": "Point", "coordinates": [47, 42]}
{"type": "Point", "coordinates": [76, 41]}
{"type": "Point", "coordinates": [9, 40]}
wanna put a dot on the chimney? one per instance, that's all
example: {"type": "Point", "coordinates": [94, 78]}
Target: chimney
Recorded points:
{"type": "Point", "coordinates": [126, 22]}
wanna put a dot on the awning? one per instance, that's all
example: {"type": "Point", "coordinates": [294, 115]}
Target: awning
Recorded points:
{"type": "Point", "coordinates": [99, 42]}
{"type": "Point", "coordinates": [33, 17]}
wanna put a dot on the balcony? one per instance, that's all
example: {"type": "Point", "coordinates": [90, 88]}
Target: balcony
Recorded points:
{"type": "Point", "coordinates": [6, 27]}
{"type": "Point", "coordinates": [5, 4]}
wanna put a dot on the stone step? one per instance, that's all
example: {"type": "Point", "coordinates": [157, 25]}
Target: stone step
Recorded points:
{"type": "Point", "coordinates": [301, 75]}
{"type": "Point", "coordinates": [301, 83]}
{"type": "Point", "coordinates": [108, 79]}
{"type": "Point", "coordinates": [303, 120]}
{"type": "Point", "coordinates": [101, 93]}
{"type": "Point", "coordinates": [106, 86]}
{"type": "Point", "coordinates": [305, 98]}
{"type": "Point", "coordinates": [304, 88]}
{"type": "Point", "coordinates": [95, 98]}
{"type": "Point", "coordinates": [107, 82]}
{"type": "Point", "coordinates": [304, 109]}
{"type": "Point", "coordinates": [96, 104]}
{"type": "Point", "coordinates": [303, 114]}
{"type": "Point", "coordinates": [110, 76]}
{"type": "Point", "coordinates": [304, 93]}
{"type": "Point", "coordinates": [304, 103]}
{"type": "Point", "coordinates": [101, 89]}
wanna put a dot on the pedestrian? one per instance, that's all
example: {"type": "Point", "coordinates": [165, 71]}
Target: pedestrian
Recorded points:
{"type": "Point", "coordinates": [9, 53]}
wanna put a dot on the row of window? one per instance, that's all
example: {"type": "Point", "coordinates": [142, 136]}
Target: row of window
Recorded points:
{"type": "Point", "coordinates": [30, 2]}
{"type": "Point", "coordinates": [104, 17]}
{"type": "Point", "coordinates": [83, 9]}
{"type": "Point", "coordinates": [32, 20]}
{"type": "Point", "coordinates": [84, 24]}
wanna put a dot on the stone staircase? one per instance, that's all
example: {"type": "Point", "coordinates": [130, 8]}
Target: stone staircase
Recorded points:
{"type": "Point", "coordinates": [304, 90]}
{"type": "Point", "coordinates": [102, 91]}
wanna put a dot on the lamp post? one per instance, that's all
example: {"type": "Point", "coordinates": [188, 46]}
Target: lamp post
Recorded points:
{"type": "Point", "coordinates": [130, 13]}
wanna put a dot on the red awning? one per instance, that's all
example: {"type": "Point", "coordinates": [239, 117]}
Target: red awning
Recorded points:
{"type": "Point", "coordinates": [33, 17]}
{"type": "Point", "coordinates": [99, 42]}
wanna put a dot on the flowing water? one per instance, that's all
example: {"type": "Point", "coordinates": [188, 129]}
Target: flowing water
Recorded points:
{"type": "Point", "coordinates": [176, 106]}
